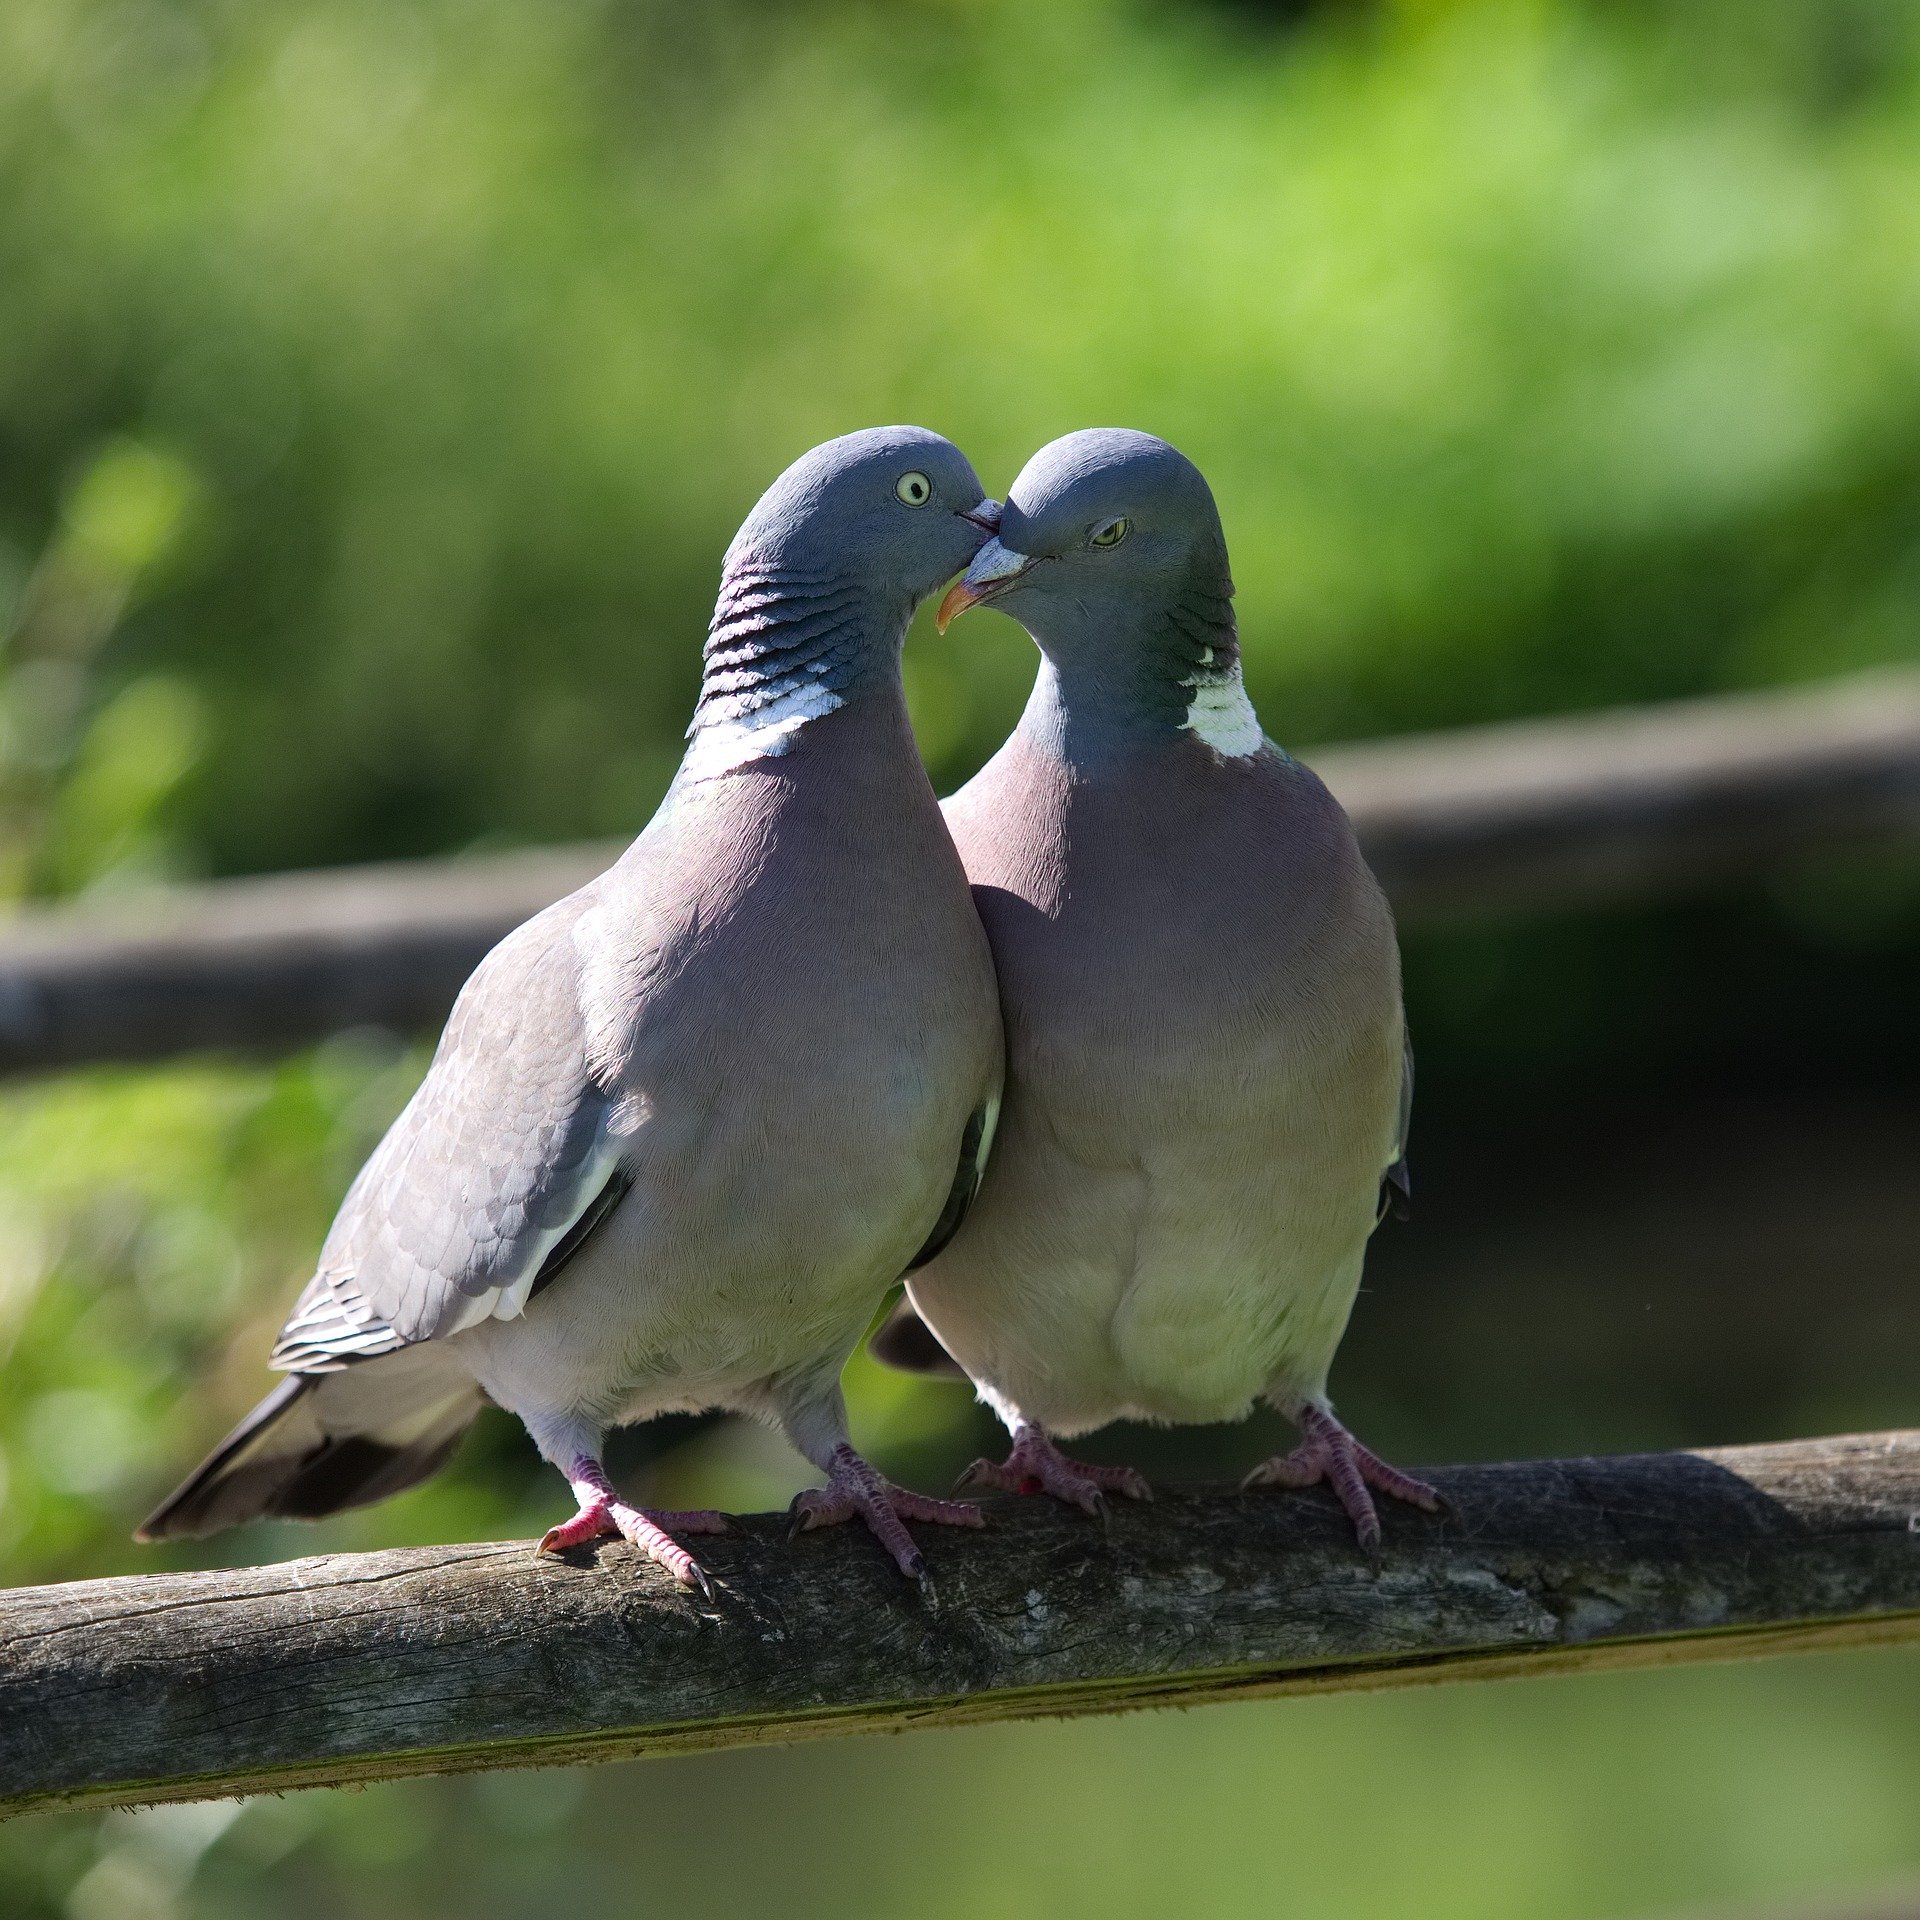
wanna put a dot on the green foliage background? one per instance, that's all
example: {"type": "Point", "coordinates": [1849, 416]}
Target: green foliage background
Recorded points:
{"type": "Point", "coordinates": [380, 381]}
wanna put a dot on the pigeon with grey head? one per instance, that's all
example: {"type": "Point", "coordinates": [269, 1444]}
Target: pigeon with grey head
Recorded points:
{"type": "Point", "coordinates": [686, 1127]}
{"type": "Point", "coordinates": [1207, 1080]}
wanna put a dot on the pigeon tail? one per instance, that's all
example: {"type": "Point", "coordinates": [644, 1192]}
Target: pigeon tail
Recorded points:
{"type": "Point", "coordinates": [904, 1342]}
{"type": "Point", "coordinates": [320, 1443]}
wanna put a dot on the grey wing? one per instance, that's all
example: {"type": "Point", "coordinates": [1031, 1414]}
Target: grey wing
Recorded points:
{"type": "Point", "coordinates": [499, 1165]}
{"type": "Point", "coordinates": [975, 1145]}
{"type": "Point", "coordinates": [1396, 1184]}
{"type": "Point", "coordinates": [903, 1340]}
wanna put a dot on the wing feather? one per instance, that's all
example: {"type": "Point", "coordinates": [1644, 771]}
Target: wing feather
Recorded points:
{"type": "Point", "coordinates": [493, 1165]}
{"type": "Point", "coordinates": [975, 1145]}
{"type": "Point", "coordinates": [1396, 1184]}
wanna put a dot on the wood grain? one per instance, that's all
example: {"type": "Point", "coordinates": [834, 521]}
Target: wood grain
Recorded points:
{"type": "Point", "coordinates": [362, 1667]}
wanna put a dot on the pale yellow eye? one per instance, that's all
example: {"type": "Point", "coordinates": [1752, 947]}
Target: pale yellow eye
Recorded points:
{"type": "Point", "coordinates": [914, 488]}
{"type": "Point", "coordinates": [1109, 533]}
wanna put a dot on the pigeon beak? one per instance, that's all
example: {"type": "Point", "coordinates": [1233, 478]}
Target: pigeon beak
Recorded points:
{"type": "Point", "coordinates": [986, 516]}
{"type": "Point", "coordinates": [995, 568]}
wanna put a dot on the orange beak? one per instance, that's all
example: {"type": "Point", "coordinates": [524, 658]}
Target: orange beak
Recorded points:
{"type": "Point", "coordinates": [958, 598]}
{"type": "Point", "coordinates": [995, 568]}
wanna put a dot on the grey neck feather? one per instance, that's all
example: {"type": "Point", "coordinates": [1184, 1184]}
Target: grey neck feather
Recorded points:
{"type": "Point", "coordinates": [1117, 682]}
{"type": "Point", "coordinates": [786, 646]}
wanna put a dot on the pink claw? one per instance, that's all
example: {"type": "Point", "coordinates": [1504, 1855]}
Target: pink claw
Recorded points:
{"type": "Point", "coordinates": [854, 1487]}
{"type": "Point", "coordinates": [603, 1512]}
{"type": "Point", "coordinates": [1036, 1465]}
{"type": "Point", "coordinates": [590, 1523]}
{"type": "Point", "coordinates": [1329, 1452]}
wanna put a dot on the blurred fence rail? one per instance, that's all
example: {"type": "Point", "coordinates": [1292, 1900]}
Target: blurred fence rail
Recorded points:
{"type": "Point", "coordinates": [440, 1659]}
{"type": "Point", "coordinates": [1524, 815]}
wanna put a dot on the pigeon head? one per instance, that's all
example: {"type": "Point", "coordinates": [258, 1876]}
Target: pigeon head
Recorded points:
{"type": "Point", "coordinates": [821, 581]}
{"type": "Point", "coordinates": [1110, 554]}
{"type": "Point", "coordinates": [888, 513]}
{"type": "Point", "coordinates": [1095, 522]}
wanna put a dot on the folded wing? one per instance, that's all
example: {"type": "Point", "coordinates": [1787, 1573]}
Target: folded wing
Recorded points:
{"type": "Point", "coordinates": [499, 1159]}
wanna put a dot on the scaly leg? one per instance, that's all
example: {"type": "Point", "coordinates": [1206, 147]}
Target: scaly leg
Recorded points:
{"type": "Point", "coordinates": [853, 1486]}
{"type": "Point", "coordinates": [1327, 1451]}
{"type": "Point", "coordinates": [1036, 1465]}
{"type": "Point", "coordinates": [602, 1512]}
{"type": "Point", "coordinates": [814, 1414]}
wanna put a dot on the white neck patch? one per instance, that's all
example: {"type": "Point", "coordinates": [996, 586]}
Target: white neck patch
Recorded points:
{"type": "Point", "coordinates": [725, 746]}
{"type": "Point", "coordinates": [1220, 715]}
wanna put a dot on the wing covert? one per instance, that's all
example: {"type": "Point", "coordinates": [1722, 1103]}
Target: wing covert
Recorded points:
{"type": "Point", "coordinates": [495, 1161]}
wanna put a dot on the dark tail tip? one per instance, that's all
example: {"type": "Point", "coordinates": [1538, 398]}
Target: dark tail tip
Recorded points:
{"type": "Point", "coordinates": [906, 1343]}
{"type": "Point", "coordinates": [227, 1486]}
{"type": "Point", "coordinates": [281, 1462]}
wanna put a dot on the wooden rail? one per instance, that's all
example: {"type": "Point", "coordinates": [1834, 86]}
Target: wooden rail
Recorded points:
{"type": "Point", "coordinates": [442, 1659]}
{"type": "Point", "coordinates": [1537, 814]}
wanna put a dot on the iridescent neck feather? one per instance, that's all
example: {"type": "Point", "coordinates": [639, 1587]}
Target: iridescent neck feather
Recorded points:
{"type": "Point", "coordinates": [787, 646]}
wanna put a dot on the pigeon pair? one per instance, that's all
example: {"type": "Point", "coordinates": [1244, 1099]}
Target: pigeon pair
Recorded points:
{"type": "Point", "coordinates": [688, 1127]}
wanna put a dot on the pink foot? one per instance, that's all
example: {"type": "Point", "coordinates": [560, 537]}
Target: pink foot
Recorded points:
{"type": "Point", "coordinates": [1329, 1452]}
{"type": "Point", "coordinates": [1036, 1465]}
{"type": "Point", "coordinates": [603, 1512]}
{"type": "Point", "coordinates": [854, 1487]}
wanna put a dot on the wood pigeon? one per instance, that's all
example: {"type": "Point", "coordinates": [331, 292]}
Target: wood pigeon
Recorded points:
{"type": "Point", "coordinates": [685, 1128]}
{"type": "Point", "coordinates": [1208, 1081]}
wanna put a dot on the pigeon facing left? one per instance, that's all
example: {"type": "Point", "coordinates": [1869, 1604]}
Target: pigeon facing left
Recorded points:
{"type": "Point", "coordinates": [1207, 1080]}
{"type": "Point", "coordinates": [686, 1127]}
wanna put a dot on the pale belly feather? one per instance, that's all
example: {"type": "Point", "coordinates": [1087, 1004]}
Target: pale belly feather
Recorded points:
{"type": "Point", "coordinates": [1177, 1244]}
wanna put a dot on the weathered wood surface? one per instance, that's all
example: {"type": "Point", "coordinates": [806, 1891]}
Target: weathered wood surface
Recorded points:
{"type": "Point", "coordinates": [1543, 813]}
{"type": "Point", "coordinates": [360, 1667]}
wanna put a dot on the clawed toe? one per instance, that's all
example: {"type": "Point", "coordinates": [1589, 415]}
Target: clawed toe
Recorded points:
{"type": "Point", "coordinates": [592, 1522]}
{"type": "Point", "coordinates": [1285, 1470]}
{"type": "Point", "coordinates": [816, 1507]}
{"type": "Point", "coordinates": [1329, 1453]}
{"type": "Point", "coordinates": [699, 1520]}
{"type": "Point", "coordinates": [662, 1548]}
{"type": "Point", "coordinates": [603, 1512]}
{"type": "Point", "coordinates": [1128, 1481]}
{"type": "Point", "coordinates": [988, 1473]}
{"type": "Point", "coordinates": [941, 1513]}
{"type": "Point", "coordinates": [854, 1487]}
{"type": "Point", "coordinates": [1036, 1465]}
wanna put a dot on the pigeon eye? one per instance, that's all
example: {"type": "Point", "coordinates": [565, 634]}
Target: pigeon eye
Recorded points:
{"type": "Point", "coordinates": [914, 488]}
{"type": "Point", "coordinates": [1109, 533]}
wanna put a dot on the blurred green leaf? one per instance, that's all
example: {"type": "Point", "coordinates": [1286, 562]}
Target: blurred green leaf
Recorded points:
{"type": "Point", "coordinates": [129, 511]}
{"type": "Point", "coordinates": [139, 748]}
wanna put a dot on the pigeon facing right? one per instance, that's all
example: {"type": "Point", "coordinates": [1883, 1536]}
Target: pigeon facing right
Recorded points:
{"type": "Point", "coordinates": [687, 1126]}
{"type": "Point", "coordinates": [1207, 1078]}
